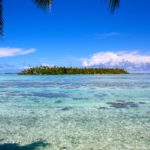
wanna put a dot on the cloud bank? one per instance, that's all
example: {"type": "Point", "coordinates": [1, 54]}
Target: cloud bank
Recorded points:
{"type": "Point", "coordinates": [131, 61]}
{"type": "Point", "coordinates": [9, 52]}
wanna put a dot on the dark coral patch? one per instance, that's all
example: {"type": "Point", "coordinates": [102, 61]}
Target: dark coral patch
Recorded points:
{"type": "Point", "coordinates": [132, 104]}
{"type": "Point", "coordinates": [58, 102]}
{"type": "Point", "coordinates": [122, 104]}
{"type": "Point", "coordinates": [100, 95]}
{"type": "Point", "coordinates": [39, 94]}
{"type": "Point", "coordinates": [66, 108]}
{"type": "Point", "coordinates": [121, 101]}
{"type": "Point", "coordinates": [117, 105]}
{"type": "Point", "coordinates": [79, 98]}
{"type": "Point", "coordinates": [49, 95]}
{"type": "Point", "coordinates": [142, 103]}
{"type": "Point", "coordinates": [102, 108]}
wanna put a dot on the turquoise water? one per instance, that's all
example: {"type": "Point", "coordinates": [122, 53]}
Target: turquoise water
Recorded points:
{"type": "Point", "coordinates": [76, 112]}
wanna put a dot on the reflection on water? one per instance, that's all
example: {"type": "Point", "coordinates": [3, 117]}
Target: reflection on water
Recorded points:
{"type": "Point", "coordinates": [33, 146]}
{"type": "Point", "coordinates": [80, 112]}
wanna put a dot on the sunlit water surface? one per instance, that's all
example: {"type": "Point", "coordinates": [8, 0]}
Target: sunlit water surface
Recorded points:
{"type": "Point", "coordinates": [76, 112]}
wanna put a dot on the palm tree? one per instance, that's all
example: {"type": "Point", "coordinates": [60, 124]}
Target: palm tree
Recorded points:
{"type": "Point", "coordinates": [43, 3]}
{"type": "Point", "coordinates": [113, 4]}
{"type": "Point", "coordinates": [1, 18]}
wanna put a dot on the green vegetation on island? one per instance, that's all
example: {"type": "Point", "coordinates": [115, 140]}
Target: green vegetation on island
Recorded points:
{"type": "Point", "coordinates": [45, 70]}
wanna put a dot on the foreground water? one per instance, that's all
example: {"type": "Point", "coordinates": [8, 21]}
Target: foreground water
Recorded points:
{"type": "Point", "coordinates": [81, 112]}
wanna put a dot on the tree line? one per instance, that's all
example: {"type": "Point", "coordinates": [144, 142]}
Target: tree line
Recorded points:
{"type": "Point", "coordinates": [46, 70]}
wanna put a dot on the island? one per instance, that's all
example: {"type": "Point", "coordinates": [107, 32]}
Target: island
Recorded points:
{"type": "Point", "coordinates": [46, 70]}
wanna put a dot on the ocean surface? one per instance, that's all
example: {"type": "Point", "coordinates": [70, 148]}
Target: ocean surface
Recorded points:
{"type": "Point", "coordinates": [75, 112]}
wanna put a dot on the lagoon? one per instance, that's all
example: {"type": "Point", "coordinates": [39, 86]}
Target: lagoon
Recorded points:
{"type": "Point", "coordinates": [75, 112]}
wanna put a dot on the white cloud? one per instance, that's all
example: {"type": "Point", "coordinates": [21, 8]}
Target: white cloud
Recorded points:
{"type": "Point", "coordinates": [8, 52]}
{"type": "Point", "coordinates": [35, 65]}
{"type": "Point", "coordinates": [25, 67]}
{"type": "Point", "coordinates": [131, 61]}
{"type": "Point", "coordinates": [45, 65]}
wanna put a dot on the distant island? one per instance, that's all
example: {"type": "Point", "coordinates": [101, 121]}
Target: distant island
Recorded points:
{"type": "Point", "coordinates": [46, 70]}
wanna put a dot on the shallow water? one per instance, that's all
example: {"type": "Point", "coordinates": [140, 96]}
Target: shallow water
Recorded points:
{"type": "Point", "coordinates": [76, 112]}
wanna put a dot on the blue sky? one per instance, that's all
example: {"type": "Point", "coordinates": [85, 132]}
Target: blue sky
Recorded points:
{"type": "Point", "coordinates": [72, 32]}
